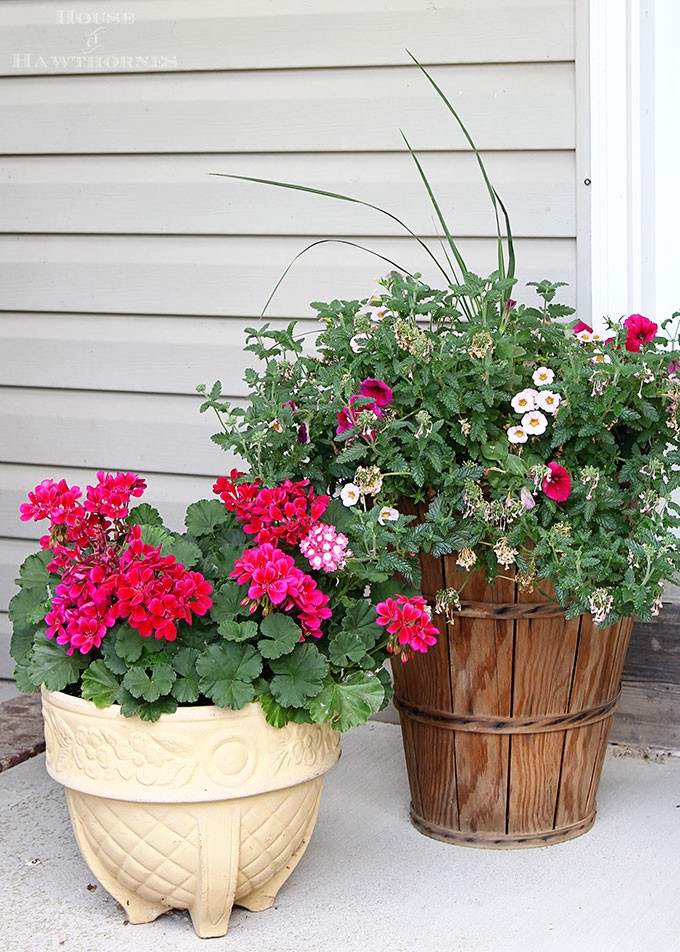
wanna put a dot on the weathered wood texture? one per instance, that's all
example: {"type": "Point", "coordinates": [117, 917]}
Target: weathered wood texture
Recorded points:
{"type": "Point", "coordinates": [506, 719]}
{"type": "Point", "coordinates": [649, 712]}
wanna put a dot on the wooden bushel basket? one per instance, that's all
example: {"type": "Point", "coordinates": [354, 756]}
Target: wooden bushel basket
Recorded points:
{"type": "Point", "coordinates": [505, 721]}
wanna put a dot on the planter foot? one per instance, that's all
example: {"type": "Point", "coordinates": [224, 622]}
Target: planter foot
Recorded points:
{"type": "Point", "coordinates": [138, 910]}
{"type": "Point", "coordinates": [219, 834]}
{"type": "Point", "coordinates": [263, 898]}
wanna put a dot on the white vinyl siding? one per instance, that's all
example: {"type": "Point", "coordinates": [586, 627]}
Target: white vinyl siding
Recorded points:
{"type": "Point", "coordinates": [128, 273]}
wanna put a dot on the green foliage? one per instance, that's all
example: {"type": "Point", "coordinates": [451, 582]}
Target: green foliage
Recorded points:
{"type": "Point", "coordinates": [100, 684]}
{"type": "Point", "coordinates": [226, 674]}
{"type": "Point", "coordinates": [298, 675]}
{"type": "Point", "coordinates": [281, 633]}
{"type": "Point", "coordinates": [205, 516]}
{"type": "Point", "coordinates": [149, 683]}
{"type": "Point", "coordinates": [51, 666]}
{"type": "Point", "coordinates": [348, 703]}
{"type": "Point", "coordinates": [144, 515]}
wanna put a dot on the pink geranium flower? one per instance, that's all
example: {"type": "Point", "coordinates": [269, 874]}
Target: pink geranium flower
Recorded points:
{"type": "Point", "coordinates": [640, 330]}
{"type": "Point", "coordinates": [377, 390]}
{"type": "Point", "coordinates": [408, 623]}
{"type": "Point", "coordinates": [557, 484]}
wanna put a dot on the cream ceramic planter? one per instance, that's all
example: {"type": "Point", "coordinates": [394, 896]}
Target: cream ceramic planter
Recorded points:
{"type": "Point", "coordinates": [201, 810]}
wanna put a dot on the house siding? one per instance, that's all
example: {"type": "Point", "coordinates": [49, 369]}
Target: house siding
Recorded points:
{"type": "Point", "coordinates": [128, 272]}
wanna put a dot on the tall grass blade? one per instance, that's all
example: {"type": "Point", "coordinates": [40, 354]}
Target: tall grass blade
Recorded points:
{"type": "Point", "coordinates": [342, 198]}
{"type": "Point", "coordinates": [442, 221]}
{"type": "Point", "coordinates": [495, 200]}
{"type": "Point", "coordinates": [323, 241]}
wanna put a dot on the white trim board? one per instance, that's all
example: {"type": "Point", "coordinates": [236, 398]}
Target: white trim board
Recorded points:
{"type": "Point", "coordinates": [634, 142]}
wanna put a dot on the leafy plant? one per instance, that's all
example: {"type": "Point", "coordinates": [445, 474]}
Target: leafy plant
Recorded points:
{"type": "Point", "coordinates": [108, 612]}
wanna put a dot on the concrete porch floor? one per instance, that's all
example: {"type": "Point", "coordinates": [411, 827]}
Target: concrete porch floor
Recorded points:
{"type": "Point", "coordinates": [370, 883]}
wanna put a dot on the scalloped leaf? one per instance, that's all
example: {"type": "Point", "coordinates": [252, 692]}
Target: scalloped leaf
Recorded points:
{"type": "Point", "coordinates": [298, 675]}
{"type": "Point", "coordinates": [349, 704]}
{"type": "Point", "coordinates": [226, 674]}
{"type": "Point", "coordinates": [204, 516]}
{"type": "Point", "coordinates": [100, 685]}
{"type": "Point", "coordinates": [281, 633]}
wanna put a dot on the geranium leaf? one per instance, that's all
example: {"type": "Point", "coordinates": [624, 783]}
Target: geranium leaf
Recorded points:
{"type": "Point", "coordinates": [131, 706]}
{"type": "Point", "coordinates": [281, 635]}
{"type": "Point", "coordinates": [52, 666]}
{"type": "Point", "coordinates": [128, 643]}
{"type": "Point", "coordinates": [237, 630]}
{"type": "Point", "coordinates": [350, 703]}
{"type": "Point", "coordinates": [100, 685]}
{"type": "Point", "coordinates": [186, 552]}
{"type": "Point", "coordinates": [226, 674]}
{"type": "Point", "coordinates": [346, 647]}
{"type": "Point", "coordinates": [112, 659]}
{"type": "Point", "coordinates": [186, 689]}
{"type": "Point", "coordinates": [298, 675]}
{"type": "Point", "coordinates": [226, 602]}
{"type": "Point", "coordinates": [205, 516]}
{"type": "Point", "coordinates": [155, 535]}
{"type": "Point", "coordinates": [144, 515]}
{"type": "Point", "coordinates": [360, 619]}
{"type": "Point", "coordinates": [33, 572]}
{"type": "Point", "coordinates": [149, 687]}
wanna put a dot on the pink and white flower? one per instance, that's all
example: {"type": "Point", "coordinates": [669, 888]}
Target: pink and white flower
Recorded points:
{"type": "Point", "coordinates": [534, 423]}
{"type": "Point", "coordinates": [543, 376]}
{"type": "Point", "coordinates": [517, 434]}
{"type": "Point", "coordinates": [388, 514]}
{"type": "Point", "coordinates": [525, 400]}
{"type": "Point", "coordinates": [350, 495]}
{"type": "Point", "coordinates": [358, 342]}
{"type": "Point", "coordinates": [325, 548]}
{"type": "Point", "coordinates": [378, 314]}
{"type": "Point", "coordinates": [548, 401]}
{"type": "Point", "coordinates": [601, 358]}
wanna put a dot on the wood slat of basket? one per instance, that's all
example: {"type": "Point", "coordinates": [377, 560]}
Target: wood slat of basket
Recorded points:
{"type": "Point", "coordinates": [481, 680]}
{"type": "Point", "coordinates": [597, 672]}
{"type": "Point", "coordinates": [544, 663]}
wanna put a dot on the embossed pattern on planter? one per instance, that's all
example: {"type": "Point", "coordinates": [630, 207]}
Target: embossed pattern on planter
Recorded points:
{"type": "Point", "coordinates": [200, 810]}
{"type": "Point", "coordinates": [102, 753]}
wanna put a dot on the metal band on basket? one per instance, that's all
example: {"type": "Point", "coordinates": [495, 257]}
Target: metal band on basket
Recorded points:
{"type": "Point", "coordinates": [485, 724]}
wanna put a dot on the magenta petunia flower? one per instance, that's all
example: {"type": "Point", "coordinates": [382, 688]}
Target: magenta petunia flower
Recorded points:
{"type": "Point", "coordinates": [640, 330]}
{"type": "Point", "coordinates": [377, 390]}
{"type": "Point", "coordinates": [557, 484]}
{"type": "Point", "coordinates": [581, 326]}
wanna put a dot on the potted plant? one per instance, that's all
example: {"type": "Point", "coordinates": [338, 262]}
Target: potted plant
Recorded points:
{"type": "Point", "coordinates": [530, 462]}
{"type": "Point", "coordinates": [194, 685]}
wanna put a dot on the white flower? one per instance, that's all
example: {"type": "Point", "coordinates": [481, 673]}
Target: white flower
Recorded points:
{"type": "Point", "coordinates": [517, 435]}
{"type": "Point", "coordinates": [276, 426]}
{"type": "Point", "coordinates": [388, 514]}
{"type": "Point", "coordinates": [377, 314]}
{"type": "Point", "coordinates": [525, 400]}
{"type": "Point", "coordinates": [350, 495]}
{"type": "Point", "coordinates": [543, 376]}
{"type": "Point", "coordinates": [602, 359]}
{"type": "Point", "coordinates": [535, 423]}
{"type": "Point", "coordinates": [357, 342]}
{"type": "Point", "coordinates": [585, 336]}
{"type": "Point", "coordinates": [548, 401]}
